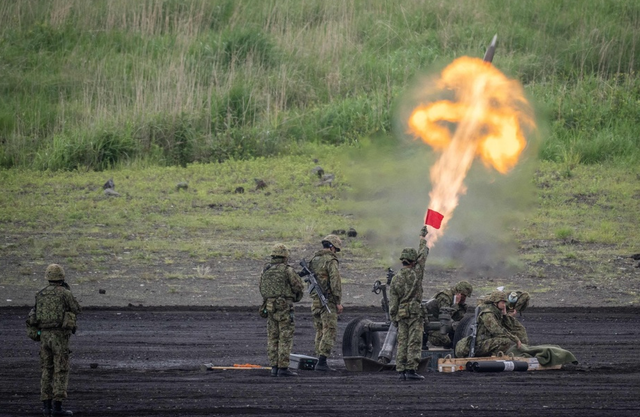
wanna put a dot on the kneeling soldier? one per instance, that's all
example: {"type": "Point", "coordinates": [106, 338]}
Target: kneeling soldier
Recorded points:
{"type": "Point", "coordinates": [493, 337]}
{"type": "Point", "coordinates": [280, 287]}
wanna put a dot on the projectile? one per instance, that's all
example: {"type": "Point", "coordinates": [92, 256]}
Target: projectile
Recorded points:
{"type": "Point", "coordinates": [497, 366]}
{"type": "Point", "coordinates": [488, 56]}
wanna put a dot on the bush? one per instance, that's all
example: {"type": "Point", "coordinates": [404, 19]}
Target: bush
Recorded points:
{"type": "Point", "coordinates": [96, 150]}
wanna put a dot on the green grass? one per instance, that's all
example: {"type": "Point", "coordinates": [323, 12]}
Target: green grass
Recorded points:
{"type": "Point", "coordinates": [103, 84]}
{"type": "Point", "coordinates": [579, 224]}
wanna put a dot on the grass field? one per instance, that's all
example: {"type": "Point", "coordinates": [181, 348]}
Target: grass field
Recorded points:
{"type": "Point", "coordinates": [577, 228]}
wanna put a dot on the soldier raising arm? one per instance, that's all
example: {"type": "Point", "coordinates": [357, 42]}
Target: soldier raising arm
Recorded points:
{"type": "Point", "coordinates": [405, 296]}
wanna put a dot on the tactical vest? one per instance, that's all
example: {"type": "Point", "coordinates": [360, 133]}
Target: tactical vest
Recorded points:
{"type": "Point", "coordinates": [319, 265]}
{"type": "Point", "coordinates": [483, 333]}
{"type": "Point", "coordinates": [274, 282]}
{"type": "Point", "coordinates": [50, 307]}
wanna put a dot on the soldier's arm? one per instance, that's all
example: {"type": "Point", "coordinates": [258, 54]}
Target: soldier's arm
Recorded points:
{"type": "Point", "coordinates": [423, 253]}
{"type": "Point", "coordinates": [260, 285]}
{"type": "Point", "coordinates": [295, 282]}
{"type": "Point", "coordinates": [443, 300]}
{"type": "Point", "coordinates": [461, 310]}
{"type": "Point", "coordinates": [72, 303]}
{"type": "Point", "coordinates": [496, 329]}
{"type": "Point", "coordinates": [393, 302]}
{"type": "Point", "coordinates": [335, 283]}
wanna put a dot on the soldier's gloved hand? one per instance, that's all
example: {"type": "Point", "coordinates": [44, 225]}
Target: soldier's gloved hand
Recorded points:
{"type": "Point", "coordinates": [423, 231]}
{"type": "Point", "coordinates": [303, 273]}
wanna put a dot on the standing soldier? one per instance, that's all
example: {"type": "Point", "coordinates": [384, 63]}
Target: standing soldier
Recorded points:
{"type": "Point", "coordinates": [405, 297]}
{"type": "Point", "coordinates": [492, 336]}
{"type": "Point", "coordinates": [56, 310]}
{"type": "Point", "coordinates": [324, 265]}
{"type": "Point", "coordinates": [454, 298]}
{"type": "Point", "coordinates": [280, 287]}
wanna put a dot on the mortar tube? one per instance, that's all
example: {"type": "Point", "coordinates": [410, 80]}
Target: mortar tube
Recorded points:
{"type": "Point", "coordinates": [386, 353]}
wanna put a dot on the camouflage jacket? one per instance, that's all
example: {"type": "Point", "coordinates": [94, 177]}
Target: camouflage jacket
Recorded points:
{"type": "Point", "coordinates": [406, 287]}
{"type": "Point", "coordinates": [51, 303]}
{"type": "Point", "coordinates": [280, 280]}
{"type": "Point", "coordinates": [490, 325]}
{"type": "Point", "coordinates": [445, 299]}
{"type": "Point", "coordinates": [324, 265]}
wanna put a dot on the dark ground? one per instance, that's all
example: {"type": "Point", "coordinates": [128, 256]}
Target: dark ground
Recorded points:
{"type": "Point", "coordinates": [149, 365]}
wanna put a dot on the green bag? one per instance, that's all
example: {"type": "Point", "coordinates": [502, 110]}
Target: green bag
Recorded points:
{"type": "Point", "coordinates": [69, 321]}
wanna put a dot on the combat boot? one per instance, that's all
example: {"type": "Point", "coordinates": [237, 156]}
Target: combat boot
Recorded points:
{"type": "Point", "coordinates": [46, 408]}
{"type": "Point", "coordinates": [58, 411]}
{"type": "Point", "coordinates": [274, 371]}
{"type": "Point", "coordinates": [286, 372]}
{"type": "Point", "coordinates": [402, 376]}
{"type": "Point", "coordinates": [322, 364]}
{"type": "Point", "coordinates": [412, 375]}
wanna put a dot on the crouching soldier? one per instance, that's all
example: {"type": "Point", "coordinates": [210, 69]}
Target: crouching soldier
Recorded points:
{"type": "Point", "coordinates": [55, 318]}
{"type": "Point", "coordinates": [280, 287]}
{"type": "Point", "coordinates": [405, 309]}
{"type": "Point", "coordinates": [454, 299]}
{"type": "Point", "coordinates": [517, 302]}
{"type": "Point", "coordinates": [492, 336]}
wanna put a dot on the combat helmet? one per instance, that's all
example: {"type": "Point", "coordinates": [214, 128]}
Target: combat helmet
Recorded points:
{"type": "Point", "coordinates": [409, 254]}
{"type": "Point", "coordinates": [54, 272]}
{"type": "Point", "coordinates": [334, 240]}
{"type": "Point", "coordinates": [519, 300]}
{"type": "Point", "coordinates": [463, 287]}
{"type": "Point", "coordinates": [496, 297]}
{"type": "Point", "coordinates": [279, 251]}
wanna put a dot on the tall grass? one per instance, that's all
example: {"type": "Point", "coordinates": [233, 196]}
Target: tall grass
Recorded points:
{"type": "Point", "coordinates": [100, 83]}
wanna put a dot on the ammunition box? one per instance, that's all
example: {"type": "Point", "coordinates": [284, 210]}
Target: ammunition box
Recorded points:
{"type": "Point", "coordinates": [305, 362]}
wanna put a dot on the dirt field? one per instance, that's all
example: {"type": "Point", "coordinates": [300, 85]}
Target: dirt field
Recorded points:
{"type": "Point", "coordinates": [149, 364]}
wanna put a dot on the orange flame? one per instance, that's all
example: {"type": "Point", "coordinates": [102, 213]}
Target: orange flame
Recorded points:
{"type": "Point", "coordinates": [486, 119]}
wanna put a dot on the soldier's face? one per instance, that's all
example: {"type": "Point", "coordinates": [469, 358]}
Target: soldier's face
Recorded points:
{"type": "Point", "coordinates": [461, 298]}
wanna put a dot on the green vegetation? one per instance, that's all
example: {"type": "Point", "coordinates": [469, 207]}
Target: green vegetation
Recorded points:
{"type": "Point", "coordinates": [100, 84]}
{"type": "Point", "coordinates": [67, 216]}
{"type": "Point", "coordinates": [578, 229]}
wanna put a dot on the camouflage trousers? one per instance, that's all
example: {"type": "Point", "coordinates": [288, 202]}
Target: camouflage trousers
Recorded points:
{"type": "Point", "coordinates": [516, 328]}
{"type": "Point", "coordinates": [491, 347]}
{"type": "Point", "coordinates": [280, 328]}
{"type": "Point", "coordinates": [326, 325]}
{"type": "Point", "coordinates": [409, 350]}
{"type": "Point", "coordinates": [54, 362]}
{"type": "Point", "coordinates": [441, 340]}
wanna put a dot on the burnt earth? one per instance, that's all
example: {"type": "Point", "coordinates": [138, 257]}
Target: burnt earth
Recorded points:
{"type": "Point", "coordinates": [147, 362]}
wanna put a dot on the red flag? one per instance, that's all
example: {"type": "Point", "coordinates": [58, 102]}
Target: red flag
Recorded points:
{"type": "Point", "coordinates": [433, 219]}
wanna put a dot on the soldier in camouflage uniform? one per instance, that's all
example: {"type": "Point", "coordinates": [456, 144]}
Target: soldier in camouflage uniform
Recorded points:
{"type": "Point", "coordinates": [517, 302]}
{"type": "Point", "coordinates": [56, 310]}
{"type": "Point", "coordinates": [492, 337]}
{"type": "Point", "coordinates": [280, 287]}
{"type": "Point", "coordinates": [405, 297]}
{"type": "Point", "coordinates": [324, 265]}
{"type": "Point", "coordinates": [455, 298]}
